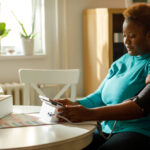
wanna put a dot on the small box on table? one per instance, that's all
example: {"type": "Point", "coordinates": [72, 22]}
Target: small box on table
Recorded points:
{"type": "Point", "coordinates": [6, 105]}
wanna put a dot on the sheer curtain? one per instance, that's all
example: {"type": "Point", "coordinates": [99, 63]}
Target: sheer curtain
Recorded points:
{"type": "Point", "coordinates": [39, 25]}
{"type": "Point", "coordinates": [61, 53]}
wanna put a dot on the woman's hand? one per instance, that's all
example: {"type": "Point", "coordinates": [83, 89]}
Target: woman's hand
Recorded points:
{"type": "Point", "coordinates": [66, 101]}
{"type": "Point", "coordinates": [75, 113]}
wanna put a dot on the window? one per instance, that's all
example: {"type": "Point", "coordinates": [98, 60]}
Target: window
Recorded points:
{"type": "Point", "coordinates": [31, 14]}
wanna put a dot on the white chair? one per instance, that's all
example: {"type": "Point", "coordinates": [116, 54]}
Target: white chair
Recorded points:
{"type": "Point", "coordinates": [34, 77]}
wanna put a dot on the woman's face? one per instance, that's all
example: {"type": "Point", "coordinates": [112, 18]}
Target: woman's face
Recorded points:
{"type": "Point", "coordinates": [135, 39]}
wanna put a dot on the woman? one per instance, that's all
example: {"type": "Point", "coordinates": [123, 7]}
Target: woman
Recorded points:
{"type": "Point", "coordinates": [115, 98]}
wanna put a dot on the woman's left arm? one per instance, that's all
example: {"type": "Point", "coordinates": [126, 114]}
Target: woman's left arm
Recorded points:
{"type": "Point", "coordinates": [123, 111]}
{"type": "Point", "coordinates": [134, 108]}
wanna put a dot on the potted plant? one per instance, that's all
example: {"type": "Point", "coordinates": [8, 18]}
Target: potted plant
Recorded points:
{"type": "Point", "coordinates": [3, 32]}
{"type": "Point", "coordinates": [27, 38]}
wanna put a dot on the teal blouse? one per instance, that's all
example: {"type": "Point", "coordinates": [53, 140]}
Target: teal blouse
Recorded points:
{"type": "Point", "coordinates": [125, 79]}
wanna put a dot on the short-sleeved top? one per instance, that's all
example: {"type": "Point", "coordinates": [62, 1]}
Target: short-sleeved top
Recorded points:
{"type": "Point", "coordinates": [126, 78]}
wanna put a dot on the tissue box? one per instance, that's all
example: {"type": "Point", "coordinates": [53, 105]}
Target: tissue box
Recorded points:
{"type": "Point", "coordinates": [6, 105]}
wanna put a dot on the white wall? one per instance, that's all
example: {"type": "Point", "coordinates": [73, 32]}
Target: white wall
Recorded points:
{"type": "Point", "coordinates": [73, 34]}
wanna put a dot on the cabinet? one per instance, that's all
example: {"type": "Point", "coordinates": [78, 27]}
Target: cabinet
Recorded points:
{"type": "Point", "coordinates": [102, 30]}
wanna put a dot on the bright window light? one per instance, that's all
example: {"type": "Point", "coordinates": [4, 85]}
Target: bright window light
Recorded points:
{"type": "Point", "coordinates": [27, 12]}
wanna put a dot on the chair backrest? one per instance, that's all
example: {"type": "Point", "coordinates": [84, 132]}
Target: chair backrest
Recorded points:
{"type": "Point", "coordinates": [34, 77]}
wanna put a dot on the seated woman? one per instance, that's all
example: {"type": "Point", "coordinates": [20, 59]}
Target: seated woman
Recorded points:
{"type": "Point", "coordinates": [117, 97]}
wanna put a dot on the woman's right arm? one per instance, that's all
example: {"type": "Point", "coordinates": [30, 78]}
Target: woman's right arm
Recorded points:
{"type": "Point", "coordinates": [94, 99]}
{"type": "Point", "coordinates": [91, 101]}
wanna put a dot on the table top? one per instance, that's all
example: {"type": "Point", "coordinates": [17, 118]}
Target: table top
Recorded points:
{"type": "Point", "coordinates": [52, 137]}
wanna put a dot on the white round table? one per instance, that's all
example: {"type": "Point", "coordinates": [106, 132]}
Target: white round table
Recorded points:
{"type": "Point", "coordinates": [45, 137]}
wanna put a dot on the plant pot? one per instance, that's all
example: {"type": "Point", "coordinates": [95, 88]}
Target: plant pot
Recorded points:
{"type": "Point", "coordinates": [28, 46]}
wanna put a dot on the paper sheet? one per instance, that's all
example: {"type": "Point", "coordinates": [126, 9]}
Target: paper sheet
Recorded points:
{"type": "Point", "coordinates": [22, 120]}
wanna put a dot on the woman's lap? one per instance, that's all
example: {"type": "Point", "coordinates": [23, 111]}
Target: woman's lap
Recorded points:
{"type": "Point", "coordinates": [119, 141]}
{"type": "Point", "coordinates": [125, 141]}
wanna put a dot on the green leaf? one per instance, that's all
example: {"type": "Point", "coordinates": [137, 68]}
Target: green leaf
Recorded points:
{"type": "Point", "coordinates": [24, 33]}
{"type": "Point", "coordinates": [2, 28]}
{"type": "Point", "coordinates": [33, 35]}
{"type": "Point", "coordinates": [5, 33]}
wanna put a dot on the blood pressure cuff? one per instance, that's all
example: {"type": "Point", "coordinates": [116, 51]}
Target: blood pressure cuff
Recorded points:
{"type": "Point", "coordinates": [143, 99]}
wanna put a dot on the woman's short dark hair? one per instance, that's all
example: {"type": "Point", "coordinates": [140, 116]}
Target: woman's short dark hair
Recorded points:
{"type": "Point", "coordinates": [140, 13]}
